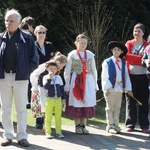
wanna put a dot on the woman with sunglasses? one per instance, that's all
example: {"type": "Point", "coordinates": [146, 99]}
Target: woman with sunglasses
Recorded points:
{"type": "Point", "coordinates": [45, 48]}
{"type": "Point", "coordinates": [46, 52]}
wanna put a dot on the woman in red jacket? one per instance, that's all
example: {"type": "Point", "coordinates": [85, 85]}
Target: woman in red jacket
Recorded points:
{"type": "Point", "coordinates": [139, 81]}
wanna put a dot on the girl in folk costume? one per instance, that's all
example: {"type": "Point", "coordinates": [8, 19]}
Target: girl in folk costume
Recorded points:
{"type": "Point", "coordinates": [115, 79]}
{"type": "Point", "coordinates": [81, 84]}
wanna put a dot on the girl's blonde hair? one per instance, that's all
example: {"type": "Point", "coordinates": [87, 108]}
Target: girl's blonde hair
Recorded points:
{"type": "Point", "coordinates": [51, 63]}
{"type": "Point", "coordinates": [60, 57]}
{"type": "Point", "coordinates": [79, 37]}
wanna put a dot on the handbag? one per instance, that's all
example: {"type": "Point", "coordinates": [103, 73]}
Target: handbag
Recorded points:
{"type": "Point", "coordinates": [36, 106]}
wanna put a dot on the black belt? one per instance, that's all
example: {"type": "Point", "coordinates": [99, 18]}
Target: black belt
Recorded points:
{"type": "Point", "coordinates": [10, 71]}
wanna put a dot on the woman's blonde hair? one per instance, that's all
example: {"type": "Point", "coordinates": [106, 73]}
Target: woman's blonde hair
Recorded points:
{"type": "Point", "coordinates": [79, 37]}
{"type": "Point", "coordinates": [38, 28]}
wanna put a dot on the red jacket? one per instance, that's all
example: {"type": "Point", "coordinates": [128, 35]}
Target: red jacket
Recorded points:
{"type": "Point", "coordinates": [131, 58]}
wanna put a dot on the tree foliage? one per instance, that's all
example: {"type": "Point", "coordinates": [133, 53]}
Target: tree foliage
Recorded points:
{"type": "Point", "coordinates": [55, 15]}
{"type": "Point", "coordinates": [96, 23]}
{"type": "Point", "coordinates": [134, 11]}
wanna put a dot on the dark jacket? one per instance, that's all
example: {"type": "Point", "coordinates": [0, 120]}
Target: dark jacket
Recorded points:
{"type": "Point", "coordinates": [27, 56]}
{"type": "Point", "coordinates": [49, 86]}
{"type": "Point", "coordinates": [49, 52]}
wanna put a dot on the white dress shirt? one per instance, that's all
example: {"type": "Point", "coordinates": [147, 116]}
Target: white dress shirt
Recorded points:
{"type": "Point", "coordinates": [105, 82]}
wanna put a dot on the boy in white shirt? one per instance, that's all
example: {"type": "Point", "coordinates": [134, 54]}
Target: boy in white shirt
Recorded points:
{"type": "Point", "coordinates": [115, 80]}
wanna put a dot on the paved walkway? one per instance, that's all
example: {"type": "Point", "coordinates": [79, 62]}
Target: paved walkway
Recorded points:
{"type": "Point", "coordinates": [99, 139]}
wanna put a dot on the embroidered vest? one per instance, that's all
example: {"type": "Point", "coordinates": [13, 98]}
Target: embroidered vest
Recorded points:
{"type": "Point", "coordinates": [77, 66]}
{"type": "Point", "coordinates": [112, 72]}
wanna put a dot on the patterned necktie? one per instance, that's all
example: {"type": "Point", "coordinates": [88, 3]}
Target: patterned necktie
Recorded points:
{"type": "Point", "coordinates": [116, 62]}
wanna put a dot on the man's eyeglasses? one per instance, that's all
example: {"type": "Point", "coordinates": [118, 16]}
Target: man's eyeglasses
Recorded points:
{"type": "Point", "coordinates": [41, 32]}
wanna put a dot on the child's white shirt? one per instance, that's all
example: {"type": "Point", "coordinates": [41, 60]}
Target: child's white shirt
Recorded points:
{"type": "Point", "coordinates": [35, 75]}
{"type": "Point", "coordinates": [105, 82]}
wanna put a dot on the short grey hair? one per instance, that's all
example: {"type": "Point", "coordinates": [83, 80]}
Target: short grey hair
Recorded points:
{"type": "Point", "coordinates": [13, 12]}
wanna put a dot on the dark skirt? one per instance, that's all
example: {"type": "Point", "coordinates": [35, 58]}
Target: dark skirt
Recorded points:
{"type": "Point", "coordinates": [80, 112]}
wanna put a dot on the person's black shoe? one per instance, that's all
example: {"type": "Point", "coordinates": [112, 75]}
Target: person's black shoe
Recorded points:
{"type": "Point", "coordinates": [39, 123]}
{"type": "Point", "coordinates": [28, 106]}
{"type": "Point", "coordinates": [23, 143]}
{"type": "Point", "coordinates": [39, 126]}
{"type": "Point", "coordinates": [6, 142]}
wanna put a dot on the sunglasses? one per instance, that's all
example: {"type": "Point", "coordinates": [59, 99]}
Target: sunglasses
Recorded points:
{"type": "Point", "coordinates": [44, 32]}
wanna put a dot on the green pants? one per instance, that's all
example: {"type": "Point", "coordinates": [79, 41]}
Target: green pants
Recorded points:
{"type": "Point", "coordinates": [53, 105]}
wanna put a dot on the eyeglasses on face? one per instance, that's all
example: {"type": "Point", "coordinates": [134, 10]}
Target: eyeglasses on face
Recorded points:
{"type": "Point", "coordinates": [40, 32]}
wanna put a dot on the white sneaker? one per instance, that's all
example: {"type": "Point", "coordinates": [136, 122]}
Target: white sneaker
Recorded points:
{"type": "Point", "coordinates": [118, 129]}
{"type": "Point", "coordinates": [49, 136]}
{"type": "Point", "coordinates": [60, 135]}
{"type": "Point", "coordinates": [85, 131]}
{"type": "Point", "coordinates": [79, 130]}
{"type": "Point", "coordinates": [112, 131]}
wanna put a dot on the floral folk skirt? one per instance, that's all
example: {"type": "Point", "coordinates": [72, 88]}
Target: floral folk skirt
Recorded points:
{"type": "Point", "coordinates": [79, 112]}
{"type": "Point", "coordinates": [36, 106]}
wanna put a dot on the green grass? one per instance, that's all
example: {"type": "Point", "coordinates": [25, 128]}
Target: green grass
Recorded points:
{"type": "Point", "coordinates": [98, 120]}
{"type": "Point", "coordinates": [31, 121]}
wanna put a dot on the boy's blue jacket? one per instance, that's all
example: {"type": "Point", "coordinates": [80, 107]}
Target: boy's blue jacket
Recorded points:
{"type": "Point", "coordinates": [27, 56]}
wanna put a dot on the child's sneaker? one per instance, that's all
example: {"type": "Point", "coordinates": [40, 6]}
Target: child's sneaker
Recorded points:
{"type": "Point", "coordinates": [111, 129]}
{"type": "Point", "coordinates": [79, 129]}
{"type": "Point", "coordinates": [49, 136]}
{"type": "Point", "coordinates": [118, 129]}
{"type": "Point", "coordinates": [60, 135]}
{"type": "Point", "coordinates": [85, 131]}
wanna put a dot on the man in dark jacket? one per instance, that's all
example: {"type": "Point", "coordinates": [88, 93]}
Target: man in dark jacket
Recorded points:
{"type": "Point", "coordinates": [18, 58]}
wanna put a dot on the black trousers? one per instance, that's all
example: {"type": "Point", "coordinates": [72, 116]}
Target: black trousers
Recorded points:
{"type": "Point", "coordinates": [140, 92]}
